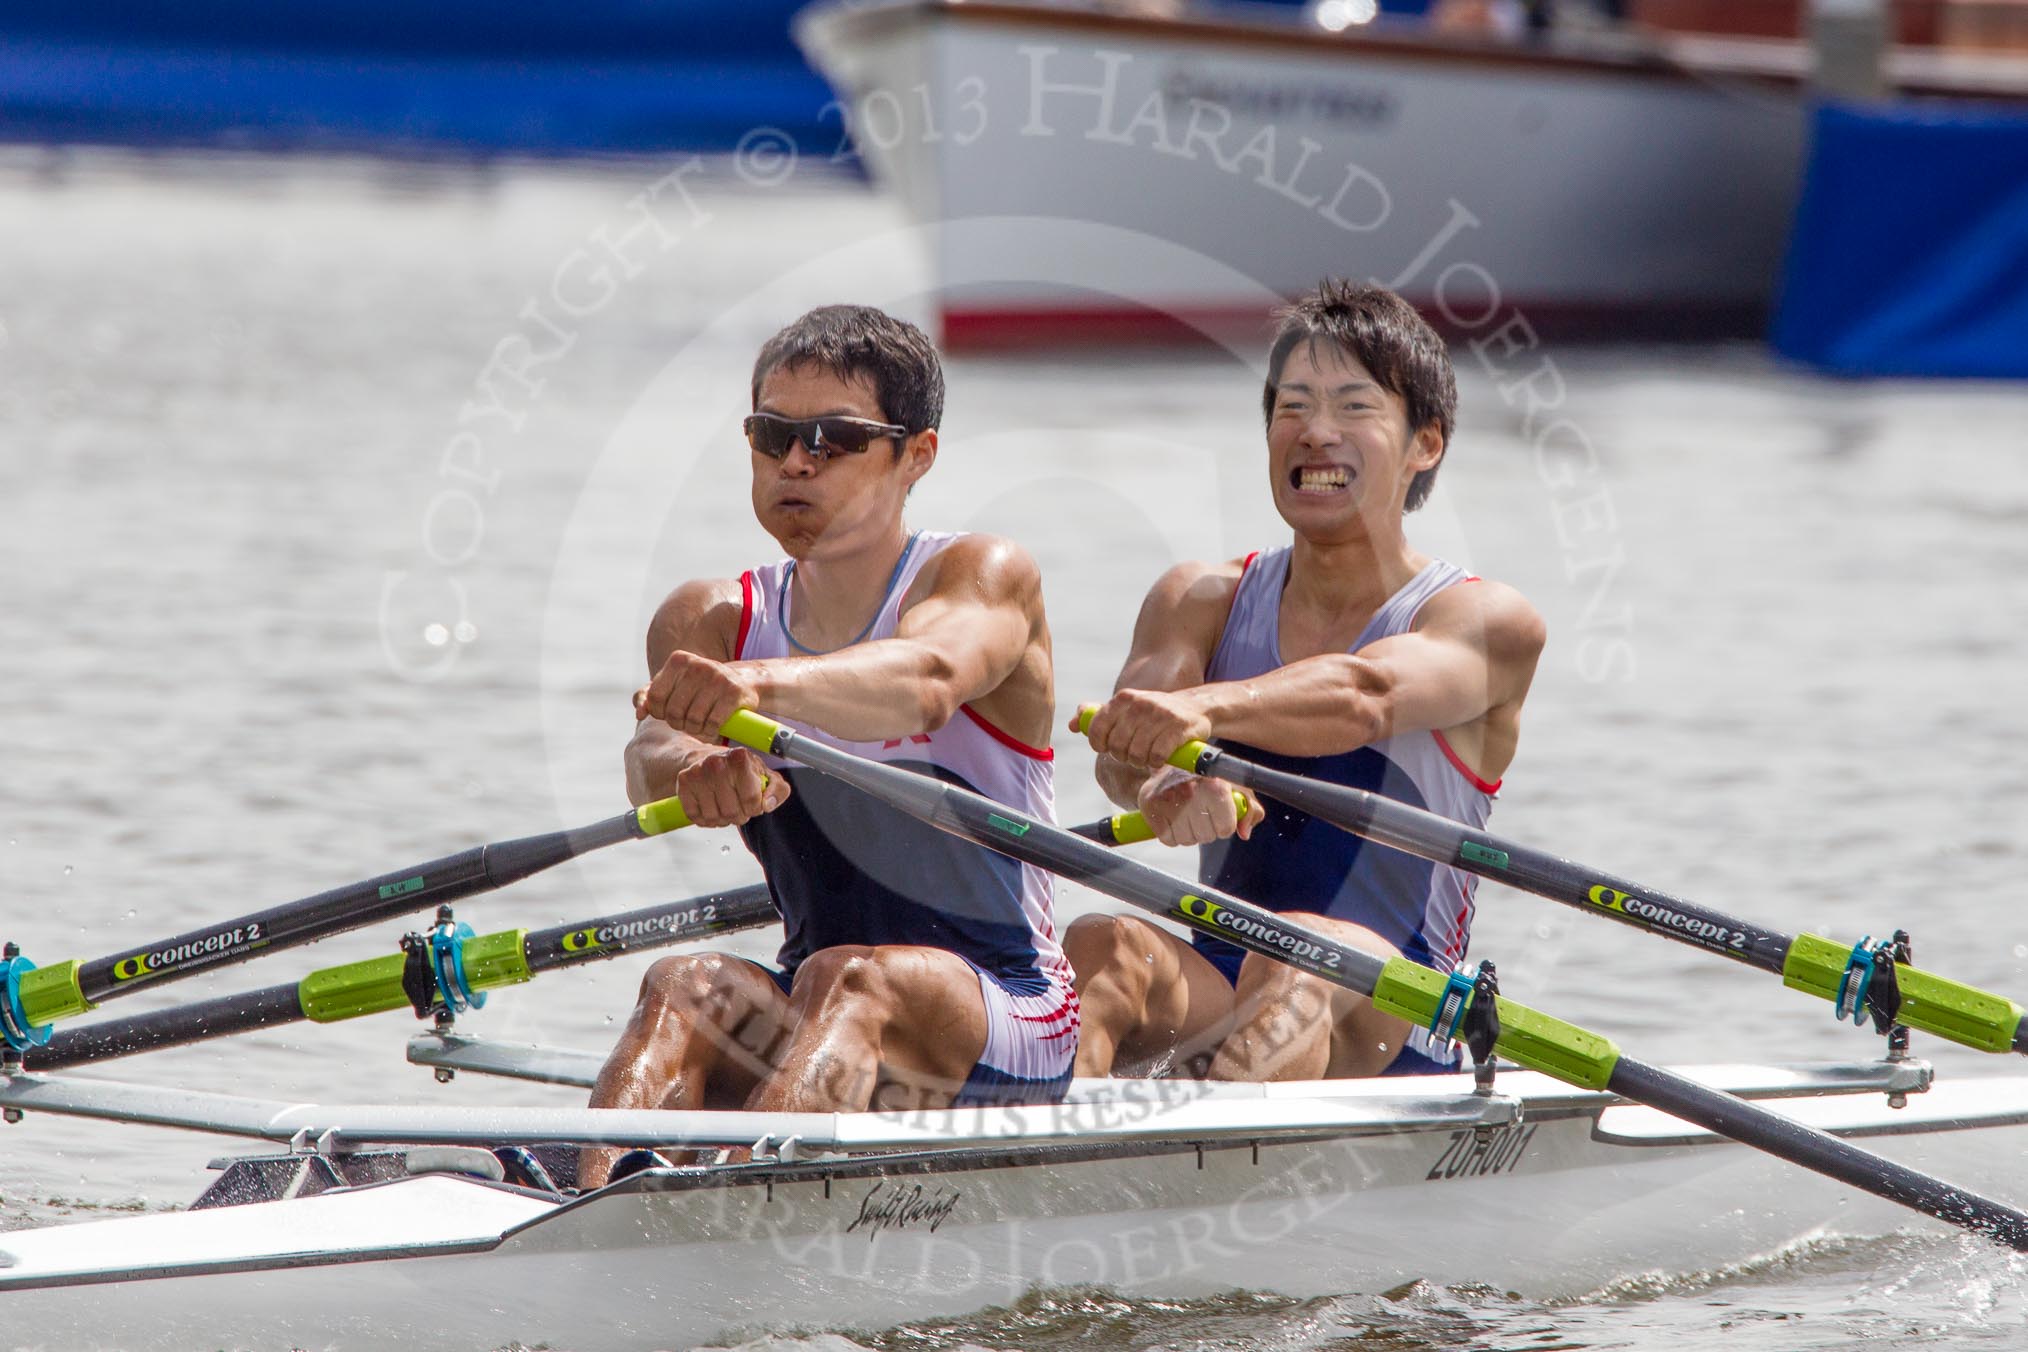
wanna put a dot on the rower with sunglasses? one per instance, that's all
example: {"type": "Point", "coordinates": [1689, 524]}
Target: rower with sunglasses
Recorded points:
{"type": "Point", "coordinates": [916, 969]}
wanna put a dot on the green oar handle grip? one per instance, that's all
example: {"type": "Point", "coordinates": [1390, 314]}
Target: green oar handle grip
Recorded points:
{"type": "Point", "coordinates": [1950, 1009]}
{"type": "Point", "coordinates": [756, 732]}
{"type": "Point", "coordinates": [667, 814]}
{"type": "Point", "coordinates": [1131, 828]}
{"type": "Point", "coordinates": [753, 731]}
{"type": "Point", "coordinates": [1184, 757]}
{"type": "Point", "coordinates": [661, 816]}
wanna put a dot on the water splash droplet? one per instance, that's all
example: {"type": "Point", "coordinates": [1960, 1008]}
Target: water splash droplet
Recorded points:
{"type": "Point", "coordinates": [465, 631]}
{"type": "Point", "coordinates": [436, 635]}
{"type": "Point", "coordinates": [133, 914]}
{"type": "Point", "coordinates": [725, 849]}
{"type": "Point", "coordinates": [67, 870]}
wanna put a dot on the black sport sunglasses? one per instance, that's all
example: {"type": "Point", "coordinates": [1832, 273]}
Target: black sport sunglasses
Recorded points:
{"type": "Point", "coordinates": [771, 434]}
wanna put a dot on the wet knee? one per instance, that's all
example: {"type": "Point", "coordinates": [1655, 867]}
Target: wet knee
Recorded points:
{"type": "Point", "coordinates": [688, 981]}
{"type": "Point", "coordinates": [842, 982]}
{"type": "Point", "coordinates": [1119, 949]}
{"type": "Point", "coordinates": [1265, 984]}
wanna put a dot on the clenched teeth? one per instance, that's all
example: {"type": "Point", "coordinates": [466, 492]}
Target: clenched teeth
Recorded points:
{"type": "Point", "coordinates": [1322, 479]}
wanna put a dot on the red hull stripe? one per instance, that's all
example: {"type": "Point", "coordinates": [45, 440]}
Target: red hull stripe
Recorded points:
{"type": "Point", "coordinates": [1041, 753]}
{"type": "Point", "coordinates": [1192, 323]}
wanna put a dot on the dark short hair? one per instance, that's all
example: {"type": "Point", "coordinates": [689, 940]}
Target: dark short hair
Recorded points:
{"type": "Point", "coordinates": [1391, 341]}
{"type": "Point", "coordinates": [855, 340]}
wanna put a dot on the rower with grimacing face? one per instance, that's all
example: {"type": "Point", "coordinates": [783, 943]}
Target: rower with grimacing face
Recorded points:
{"type": "Point", "coordinates": [915, 969]}
{"type": "Point", "coordinates": [1346, 655]}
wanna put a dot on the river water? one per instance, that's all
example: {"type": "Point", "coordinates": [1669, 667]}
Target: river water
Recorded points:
{"type": "Point", "coordinates": [333, 498]}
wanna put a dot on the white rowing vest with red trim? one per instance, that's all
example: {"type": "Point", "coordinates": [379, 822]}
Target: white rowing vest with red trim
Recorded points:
{"type": "Point", "coordinates": [845, 869]}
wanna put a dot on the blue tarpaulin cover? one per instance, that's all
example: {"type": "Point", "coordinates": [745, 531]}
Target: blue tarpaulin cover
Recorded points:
{"type": "Point", "coordinates": [1910, 250]}
{"type": "Point", "coordinates": [455, 76]}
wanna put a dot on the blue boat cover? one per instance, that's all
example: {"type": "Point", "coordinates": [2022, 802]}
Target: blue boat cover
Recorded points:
{"type": "Point", "coordinates": [1910, 250]}
{"type": "Point", "coordinates": [456, 76]}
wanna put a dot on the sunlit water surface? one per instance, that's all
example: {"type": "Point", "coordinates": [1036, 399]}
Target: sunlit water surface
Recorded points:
{"type": "Point", "coordinates": [268, 625]}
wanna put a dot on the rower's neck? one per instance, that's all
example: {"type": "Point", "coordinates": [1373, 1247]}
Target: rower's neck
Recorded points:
{"type": "Point", "coordinates": [1355, 575]}
{"type": "Point", "coordinates": [833, 599]}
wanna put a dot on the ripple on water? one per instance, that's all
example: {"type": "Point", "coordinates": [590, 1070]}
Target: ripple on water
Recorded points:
{"type": "Point", "coordinates": [1084, 1317]}
{"type": "Point", "coordinates": [19, 1212]}
{"type": "Point", "coordinates": [1821, 1294]}
{"type": "Point", "coordinates": [1821, 664]}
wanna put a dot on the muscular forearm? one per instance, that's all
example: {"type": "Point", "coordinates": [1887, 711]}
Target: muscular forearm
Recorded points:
{"type": "Point", "coordinates": [1121, 782]}
{"type": "Point", "coordinates": [654, 759]}
{"type": "Point", "coordinates": [868, 693]}
{"type": "Point", "coordinates": [1320, 706]}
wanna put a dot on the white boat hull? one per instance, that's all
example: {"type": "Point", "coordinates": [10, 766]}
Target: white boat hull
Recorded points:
{"type": "Point", "coordinates": [1219, 164]}
{"type": "Point", "coordinates": [1573, 1196]}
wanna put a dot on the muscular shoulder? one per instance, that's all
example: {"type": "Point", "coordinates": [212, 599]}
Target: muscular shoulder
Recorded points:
{"type": "Point", "coordinates": [987, 567]}
{"type": "Point", "coordinates": [1493, 613]}
{"type": "Point", "coordinates": [1196, 592]}
{"type": "Point", "coordinates": [1180, 621]}
{"type": "Point", "coordinates": [701, 616]}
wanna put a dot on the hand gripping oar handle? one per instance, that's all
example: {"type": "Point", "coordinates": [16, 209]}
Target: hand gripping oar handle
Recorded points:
{"type": "Point", "coordinates": [41, 996]}
{"type": "Point", "coordinates": [375, 985]}
{"type": "Point", "coordinates": [1807, 962]}
{"type": "Point", "coordinates": [1131, 828]}
{"type": "Point", "coordinates": [1396, 985]}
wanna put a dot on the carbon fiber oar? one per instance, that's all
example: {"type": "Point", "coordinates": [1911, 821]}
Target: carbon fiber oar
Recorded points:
{"type": "Point", "coordinates": [1806, 962]}
{"type": "Point", "coordinates": [485, 961]}
{"type": "Point", "coordinates": [32, 998]}
{"type": "Point", "coordinates": [1395, 985]}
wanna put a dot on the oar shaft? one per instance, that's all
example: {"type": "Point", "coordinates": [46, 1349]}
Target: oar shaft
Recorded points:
{"type": "Point", "coordinates": [1818, 1151]}
{"type": "Point", "coordinates": [493, 959]}
{"type": "Point", "coordinates": [1441, 840]}
{"type": "Point", "coordinates": [228, 1014]}
{"type": "Point", "coordinates": [482, 869]}
{"type": "Point", "coordinates": [1950, 1009]}
{"type": "Point", "coordinates": [63, 990]}
{"type": "Point", "coordinates": [650, 927]}
{"type": "Point", "coordinates": [374, 986]}
{"type": "Point", "coordinates": [1398, 986]}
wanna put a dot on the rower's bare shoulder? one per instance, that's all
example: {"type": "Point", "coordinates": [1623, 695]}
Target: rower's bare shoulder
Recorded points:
{"type": "Point", "coordinates": [991, 565]}
{"type": "Point", "coordinates": [1507, 622]}
{"type": "Point", "coordinates": [1179, 624]}
{"type": "Point", "coordinates": [700, 616]}
{"type": "Point", "coordinates": [1196, 592]}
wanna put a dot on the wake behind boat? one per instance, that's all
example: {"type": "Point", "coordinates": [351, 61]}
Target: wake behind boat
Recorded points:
{"type": "Point", "coordinates": [373, 1229]}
